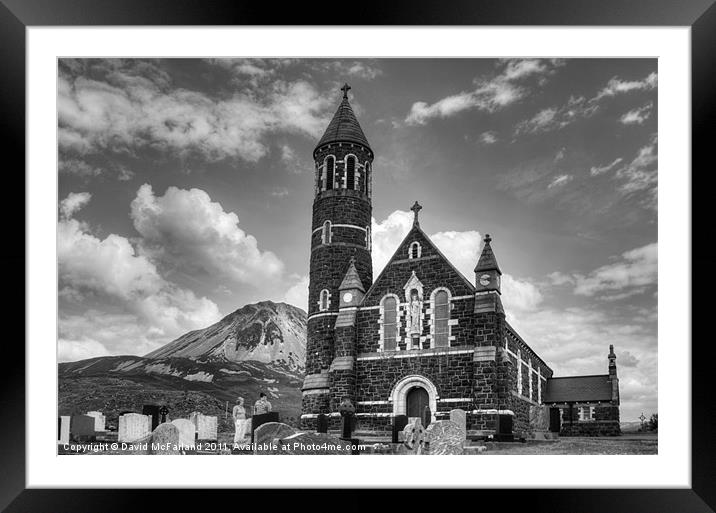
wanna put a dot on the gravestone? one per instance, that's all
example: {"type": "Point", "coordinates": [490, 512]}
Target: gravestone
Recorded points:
{"type": "Point", "coordinates": [322, 423]}
{"type": "Point", "coordinates": [348, 415]}
{"type": "Point", "coordinates": [153, 411]}
{"type": "Point", "coordinates": [445, 437]}
{"type": "Point", "coordinates": [206, 426]}
{"type": "Point", "coordinates": [187, 432]}
{"type": "Point", "coordinates": [267, 432]}
{"type": "Point", "coordinates": [99, 420]}
{"type": "Point", "coordinates": [63, 429]}
{"type": "Point", "coordinates": [459, 417]}
{"type": "Point", "coordinates": [165, 439]}
{"type": "Point", "coordinates": [133, 427]}
{"type": "Point", "coordinates": [399, 423]}
{"type": "Point", "coordinates": [414, 437]}
{"type": "Point", "coordinates": [163, 412]}
{"type": "Point", "coordinates": [82, 428]}
{"type": "Point", "coordinates": [311, 443]}
{"type": "Point", "coordinates": [263, 418]}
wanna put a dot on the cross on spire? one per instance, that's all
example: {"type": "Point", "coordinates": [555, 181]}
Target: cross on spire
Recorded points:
{"type": "Point", "coordinates": [487, 238]}
{"type": "Point", "coordinates": [416, 208]}
{"type": "Point", "coordinates": [345, 90]}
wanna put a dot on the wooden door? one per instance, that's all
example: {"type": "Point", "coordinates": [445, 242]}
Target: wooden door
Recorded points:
{"type": "Point", "coordinates": [417, 399]}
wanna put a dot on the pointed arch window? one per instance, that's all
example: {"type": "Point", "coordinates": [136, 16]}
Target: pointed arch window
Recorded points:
{"type": "Point", "coordinates": [330, 171]}
{"type": "Point", "coordinates": [350, 172]}
{"type": "Point", "coordinates": [390, 323]}
{"type": "Point", "coordinates": [441, 318]}
{"type": "Point", "coordinates": [326, 234]}
{"type": "Point", "coordinates": [324, 301]}
{"type": "Point", "coordinates": [367, 237]}
{"type": "Point", "coordinates": [414, 250]}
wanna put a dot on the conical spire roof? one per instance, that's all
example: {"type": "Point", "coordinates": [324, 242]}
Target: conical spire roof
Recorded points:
{"type": "Point", "coordinates": [351, 279]}
{"type": "Point", "coordinates": [344, 126]}
{"type": "Point", "coordinates": [487, 261]}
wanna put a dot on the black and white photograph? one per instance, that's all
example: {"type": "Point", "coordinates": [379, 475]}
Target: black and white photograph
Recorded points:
{"type": "Point", "coordinates": [357, 256]}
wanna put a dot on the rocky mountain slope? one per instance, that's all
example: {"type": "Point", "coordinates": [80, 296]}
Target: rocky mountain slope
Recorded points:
{"type": "Point", "coordinates": [264, 332]}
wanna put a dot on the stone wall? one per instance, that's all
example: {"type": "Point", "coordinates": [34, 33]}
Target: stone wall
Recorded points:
{"type": "Point", "coordinates": [605, 423]}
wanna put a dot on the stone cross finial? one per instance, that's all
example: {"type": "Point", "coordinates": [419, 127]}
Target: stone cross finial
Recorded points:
{"type": "Point", "coordinates": [487, 238]}
{"type": "Point", "coordinates": [345, 90]}
{"type": "Point", "coordinates": [416, 208]}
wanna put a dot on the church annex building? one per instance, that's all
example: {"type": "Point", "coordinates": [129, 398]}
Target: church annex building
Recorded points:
{"type": "Point", "coordinates": [420, 334]}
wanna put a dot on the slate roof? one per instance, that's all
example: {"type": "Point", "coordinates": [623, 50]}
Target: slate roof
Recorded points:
{"type": "Point", "coordinates": [352, 279]}
{"type": "Point", "coordinates": [578, 389]}
{"type": "Point", "coordinates": [487, 260]}
{"type": "Point", "coordinates": [344, 127]}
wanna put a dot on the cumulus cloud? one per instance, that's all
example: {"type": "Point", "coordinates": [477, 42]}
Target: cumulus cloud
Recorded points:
{"type": "Point", "coordinates": [641, 173]}
{"type": "Point", "coordinates": [617, 86]}
{"type": "Point", "coordinates": [74, 202]}
{"type": "Point", "coordinates": [185, 230]}
{"type": "Point", "coordinates": [297, 294]}
{"type": "Point", "coordinates": [109, 272]}
{"type": "Point", "coordinates": [489, 137]}
{"type": "Point", "coordinates": [386, 235]}
{"type": "Point", "coordinates": [124, 105]}
{"type": "Point", "coordinates": [490, 93]}
{"type": "Point", "coordinates": [637, 116]}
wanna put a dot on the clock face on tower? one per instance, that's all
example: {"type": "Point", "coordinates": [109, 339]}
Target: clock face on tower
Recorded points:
{"type": "Point", "coordinates": [347, 297]}
{"type": "Point", "coordinates": [485, 280]}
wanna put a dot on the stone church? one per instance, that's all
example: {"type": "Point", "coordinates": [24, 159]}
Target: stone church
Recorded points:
{"type": "Point", "coordinates": [420, 334]}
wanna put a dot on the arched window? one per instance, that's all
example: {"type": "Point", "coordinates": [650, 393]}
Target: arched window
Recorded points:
{"type": "Point", "coordinates": [441, 316]}
{"type": "Point", "coordinates": [366, 177]}
{"type": "Point", "coordinates": [367, 237]}
{"type": "Point", "coordinates": [390, 318]}
{"type": "Point", "coordinates": [414, 250]}
{"type": "Point", "coordinates": [350, 172]}
{"type": "Point", "coordinates": [326, 233]}
{"type": "Point", "coordinates": [325, 300]}
{"type": "Point", "coordinates": [330, 171]}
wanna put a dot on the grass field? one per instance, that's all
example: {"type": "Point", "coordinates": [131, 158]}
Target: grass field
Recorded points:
{"type": "Point", "coordinates": [642, 444]}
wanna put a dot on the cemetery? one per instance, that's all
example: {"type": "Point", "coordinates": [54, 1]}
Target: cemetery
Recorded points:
{"type": "Point", "coordinates": [154, 432]}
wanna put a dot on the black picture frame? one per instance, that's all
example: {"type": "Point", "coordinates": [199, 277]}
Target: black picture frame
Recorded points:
{"type": "Point", "coordinates": [17, 15]}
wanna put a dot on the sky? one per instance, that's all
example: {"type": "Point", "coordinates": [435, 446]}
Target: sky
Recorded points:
{"type": "Point", "coordinates": [186, 185]}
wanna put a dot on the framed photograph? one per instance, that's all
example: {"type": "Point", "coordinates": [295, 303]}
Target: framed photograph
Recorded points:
{"type": "Point", "coordinates": [406, 236]}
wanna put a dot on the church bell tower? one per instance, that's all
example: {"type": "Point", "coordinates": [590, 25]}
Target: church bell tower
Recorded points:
{"type": "Point", "coordinates": [340, 238]}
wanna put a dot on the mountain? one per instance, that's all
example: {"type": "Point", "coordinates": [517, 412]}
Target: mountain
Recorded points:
{"type": "Point", "coordinates": [258, 348]}
{"type": "Point", "coordinates": [265, 332]}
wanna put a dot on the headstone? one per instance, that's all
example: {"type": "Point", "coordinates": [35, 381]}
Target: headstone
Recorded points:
{"type": "Point", "coordinates": [414, 437]}
{"type": "Point", "coordinates": [153, 411]}
{"type": "Point", "coordinates": [63, 429]}
{"type": "Point", "coordinates": [459, 417]}
{"type": "Point", "coordinates": [399, 423]}
{"type": "Point", "coordinates": [82, 428]}
{"type": "Point", "coordinates": [163, 412]}
{"type": "Point", "coordinates": [187, 432]}
{"type": "Point", "coordinates": [133, 427]}
{"type": "Point", "coordinates": [206, 426]}
{"type": "Point", "coordinates": [267, 432]}
{"type": "Point", "coordinates": [99, 420]}
{"type": "Point", "coordinates": [539, 418]}
{"type": "Point", "coordinates": [263, 418]}
{"type": "Point", "coordinates": [427, 416]}
{"type": "Point", "coordinates": [310, 443]}
{"type": "Point", "coordinates": [348, 412]}
{"type": "Point", "coordinates": [322, 423]}
{"type": "Point", "coordinates": [445, 437]}
{"type": "Point", "coordinates": [165, 439]}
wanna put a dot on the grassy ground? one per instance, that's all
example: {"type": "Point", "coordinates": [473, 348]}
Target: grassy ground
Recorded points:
{"type": "Point", "coordinates": [646, 444]}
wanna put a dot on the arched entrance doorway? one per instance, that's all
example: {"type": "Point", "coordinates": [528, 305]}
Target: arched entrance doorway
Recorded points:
{"type": "Point", "coordinates": [415, 401]}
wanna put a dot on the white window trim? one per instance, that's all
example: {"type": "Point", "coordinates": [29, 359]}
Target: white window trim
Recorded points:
{"type": "Point", "coordinates": [410, 250]}
{"type": "Point", "coordinates": [325, 174]}
{"type": "Point", "coordinates": [381, 320]}
{"type": "Point", "coordinates": [519, 371]}
{"type": "Point", "coordinates": [433, 318]}
{"type": "Point", "coordinates": [581, 414]}
{"type": "Point", "coordinates": [326, 235]}
{"type": "Point", "coordinates": [328, 300]}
